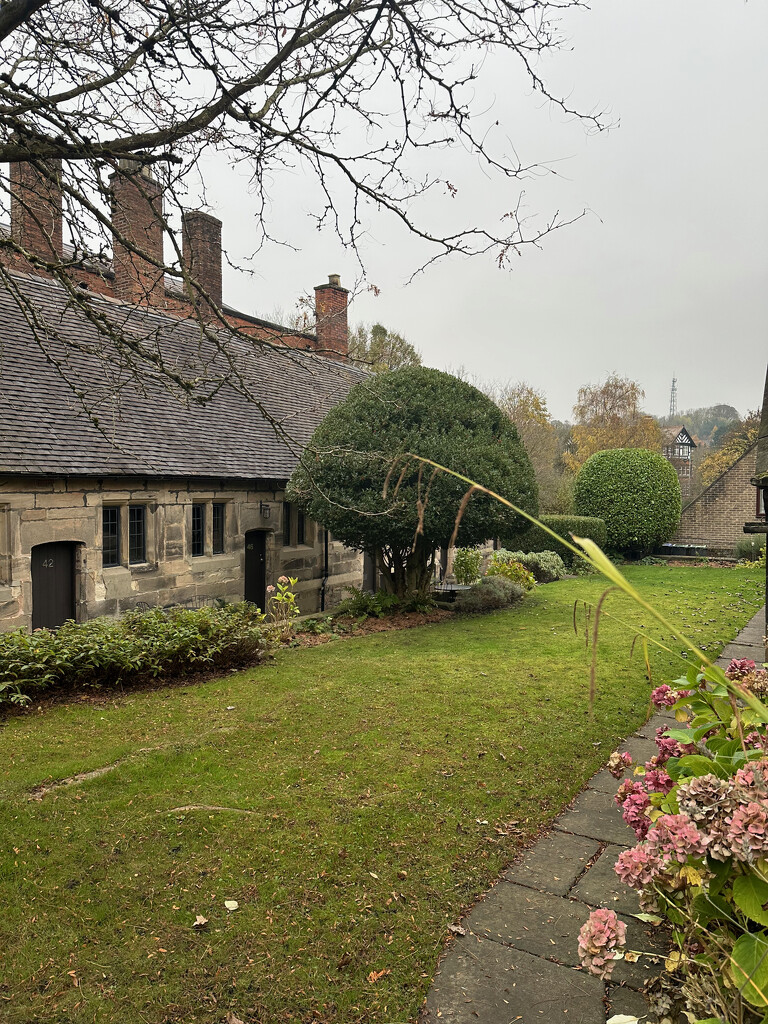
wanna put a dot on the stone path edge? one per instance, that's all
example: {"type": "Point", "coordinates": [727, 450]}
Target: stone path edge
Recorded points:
{"type": "Point", "coordinates": [517, 961]}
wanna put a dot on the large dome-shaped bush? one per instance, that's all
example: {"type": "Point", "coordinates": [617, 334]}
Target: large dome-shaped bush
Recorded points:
{"type": "Point", "coordinates": [636, 492]}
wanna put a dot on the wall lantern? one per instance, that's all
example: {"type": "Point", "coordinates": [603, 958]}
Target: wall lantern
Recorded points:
{"type": "Point", "coordinates": [265, 509]}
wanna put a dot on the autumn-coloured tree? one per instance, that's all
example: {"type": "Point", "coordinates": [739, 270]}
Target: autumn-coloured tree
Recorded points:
{"type": "Point", "coordinates": [527, 408]}
{"type": "Point", "coordinates": [736, 442]}
{"type": "Point", "coordinates": [379, 349]}
{"type": "Point", "coordinates": [609, 415]}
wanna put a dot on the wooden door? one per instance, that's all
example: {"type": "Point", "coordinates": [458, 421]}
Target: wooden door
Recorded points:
{"type": "Point", "coordinates": [53, 584]}
{"type": "Point", "coordinates": [256, 568]}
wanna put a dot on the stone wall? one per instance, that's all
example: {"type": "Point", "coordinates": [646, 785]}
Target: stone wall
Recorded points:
{"type": "Point", "coordinates": [44, 510]}
{"type": "Point", "coordinates": [715, 519]}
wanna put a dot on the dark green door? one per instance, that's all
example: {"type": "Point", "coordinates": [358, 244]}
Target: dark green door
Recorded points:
{"type": "Point", "coordinates": [53, 584]}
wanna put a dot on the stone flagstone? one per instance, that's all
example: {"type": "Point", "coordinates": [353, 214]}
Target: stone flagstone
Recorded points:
{"type": "Point", "coordinates": [517, 964]}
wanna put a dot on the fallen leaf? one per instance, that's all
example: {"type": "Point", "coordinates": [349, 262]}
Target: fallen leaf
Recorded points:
{"type": "Point", "coordinates": [457, 929]}
{"type": "Point", "coordinates": [374, 976]}
{"type": "Point", "coordinates": [200, 921]}
{"type": "Point", "coordinates": [373, 875]}
{"type": "Point", "coordinates": [232, 1019]}
{"type": "Point", "coordinates": [231, 905]}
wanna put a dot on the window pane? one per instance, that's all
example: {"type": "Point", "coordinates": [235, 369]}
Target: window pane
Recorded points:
{"type": "Point", "coordinates": [218, 529]}
{"type": "Point", "coordinates": [301, 528]}
{"type": "Point", "coordinates": [110, 525]}
{"type": "Point", "coordinates": [287, 523]}
{"type": "Point", "coordinates": [137, 534]}
{"type": "Point", "coordinates": [198, 530]}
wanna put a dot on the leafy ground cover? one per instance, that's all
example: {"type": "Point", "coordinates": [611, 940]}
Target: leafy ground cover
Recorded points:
{"type": "Point", "coordinates": [352, 798]}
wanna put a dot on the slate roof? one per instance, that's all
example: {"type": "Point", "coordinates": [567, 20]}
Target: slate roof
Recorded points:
{"type": "Point", "coordinates": [143, 428]}
{"type": "Point", "coordinates": [761, 469]}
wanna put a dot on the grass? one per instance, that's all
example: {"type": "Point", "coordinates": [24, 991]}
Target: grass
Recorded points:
{"type": "Point", "coordinates": [387, 780]}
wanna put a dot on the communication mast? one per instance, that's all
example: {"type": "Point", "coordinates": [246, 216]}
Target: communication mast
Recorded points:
{"type": "Point", "coordinates": [673, 399]}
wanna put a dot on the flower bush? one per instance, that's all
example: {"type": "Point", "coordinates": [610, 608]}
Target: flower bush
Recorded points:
{"type": "Point", "coordinates": [546, 566]}
{"type": "Point", "coordinates": [512, 571]}
{"type": "Point", "coordinates": [466, 565]}
{"type": "Point", "coordinates": [282, 606]}
{"type": "Point", "coordinates": [700, 810]}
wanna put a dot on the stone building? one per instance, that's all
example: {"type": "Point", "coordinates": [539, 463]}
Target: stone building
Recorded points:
{"type": "Point", "coordinates": [714, 520]}
{"type": "Point", "coordinates": [677, 448]}
{"type": "Point", "coordinates": [123, 495]}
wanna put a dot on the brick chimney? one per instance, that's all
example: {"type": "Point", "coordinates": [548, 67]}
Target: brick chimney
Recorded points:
{"type": "Point", "coordinates": [137, 211]}
{"type": "Point", "coordinates": [36, 208]}
{"type": "Point", "coordinates": [331, 318]}
{"type": "Point", "coordinates": [201, 236]}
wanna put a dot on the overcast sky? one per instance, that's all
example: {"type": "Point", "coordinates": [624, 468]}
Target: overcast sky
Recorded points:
{"type": "Point", "coordinates": [667, 272]}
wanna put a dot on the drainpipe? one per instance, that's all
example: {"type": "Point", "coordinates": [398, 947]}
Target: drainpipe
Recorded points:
{"type": "Point", "coordinates": [325, 571]}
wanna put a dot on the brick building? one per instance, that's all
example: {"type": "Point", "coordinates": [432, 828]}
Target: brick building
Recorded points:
{"type": "Point", "coordinates": [715, 519]}
{"type": "Point", "coordinates": [125, 496]}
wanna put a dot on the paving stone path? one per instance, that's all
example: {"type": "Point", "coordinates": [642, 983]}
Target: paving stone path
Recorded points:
{"type": "Point", "coordinates": [517, 963]}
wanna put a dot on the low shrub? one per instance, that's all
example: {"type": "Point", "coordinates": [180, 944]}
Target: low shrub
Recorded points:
{"type": "Point", "coordinates": [534, 539]}
{"type": "Point", "coordinates": [546, 566]}
{"type": "Point", "coordinates": [362, 604]}
{"type": "Point", "coordinates": [466, 565]}
{"type": "Point", "coordinates": [513, 571]}
{"type": "Point", "coordinates": [751, 549]}
{"type": "Point", "coordinates": [140, 645]}
{"type": "Point", "coordinates": [490, 593]}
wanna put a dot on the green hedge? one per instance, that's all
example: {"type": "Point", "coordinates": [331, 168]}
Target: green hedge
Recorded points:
{"type": "Point", "coordinates": [536, 539]}
{"type": "Point", "coordinates": [140, 645]}
{"type": "Point", "coordinates": [636, 492]}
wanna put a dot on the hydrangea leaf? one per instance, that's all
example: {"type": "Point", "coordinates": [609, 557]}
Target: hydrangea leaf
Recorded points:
{"type": "Point", "coordinates": [749, 967]}
{"type": "Point", "coordinates": [750, 894]}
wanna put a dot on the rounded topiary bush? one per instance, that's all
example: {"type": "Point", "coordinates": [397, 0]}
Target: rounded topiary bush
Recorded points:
{"type": "Point", "coordinates": [636, 492]}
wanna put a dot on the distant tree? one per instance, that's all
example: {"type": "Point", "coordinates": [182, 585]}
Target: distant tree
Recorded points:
{"type": "Point", "coordinates": [608, 415]}
{"type": "Point", "coordinates": [526, 407]}
{"type": "Point", "coordinates": [705, 423]}
{"type": "Point", "coordinates": [381, 350]}
{"type": "Point", "coordinates": [736, 442]}
{"type": "Point", "coordinates": [340, 482]}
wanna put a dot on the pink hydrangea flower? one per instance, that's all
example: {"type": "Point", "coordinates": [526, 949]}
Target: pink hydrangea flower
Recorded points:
{"type": "Point", "coordinates": [638, 866]}
{"type": "Point", "coordinates": [748, 831]}
{"type": "Point", "coordinates": [270, 589]}
{"type": "Point", "coordinates": [739, 667]}
{"type": "Point", "coordinates": [671, 748]}
{"type": "Point", "coordinates": [759, 741]}
{"type": "Point", "coordinates": [664, 696]}
{"type": "Point", "coordinates": [634, 813]}
{"type": "Point", "coordinates": [656, 780]}
{"type": "Point", "coordinates": [283, 579]}
{"type": "Point", "coordinates": [618, 763]}
{"type": "Point", "coordinates": [676, 838]}
{"type": "Point", "coordinates": [754, 775]}
{"type": "Point", "coordinates": [601, 937]}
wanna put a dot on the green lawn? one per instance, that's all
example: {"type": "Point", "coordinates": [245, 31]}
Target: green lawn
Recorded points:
{"type": "Point", "coordinates": [388, 780]}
